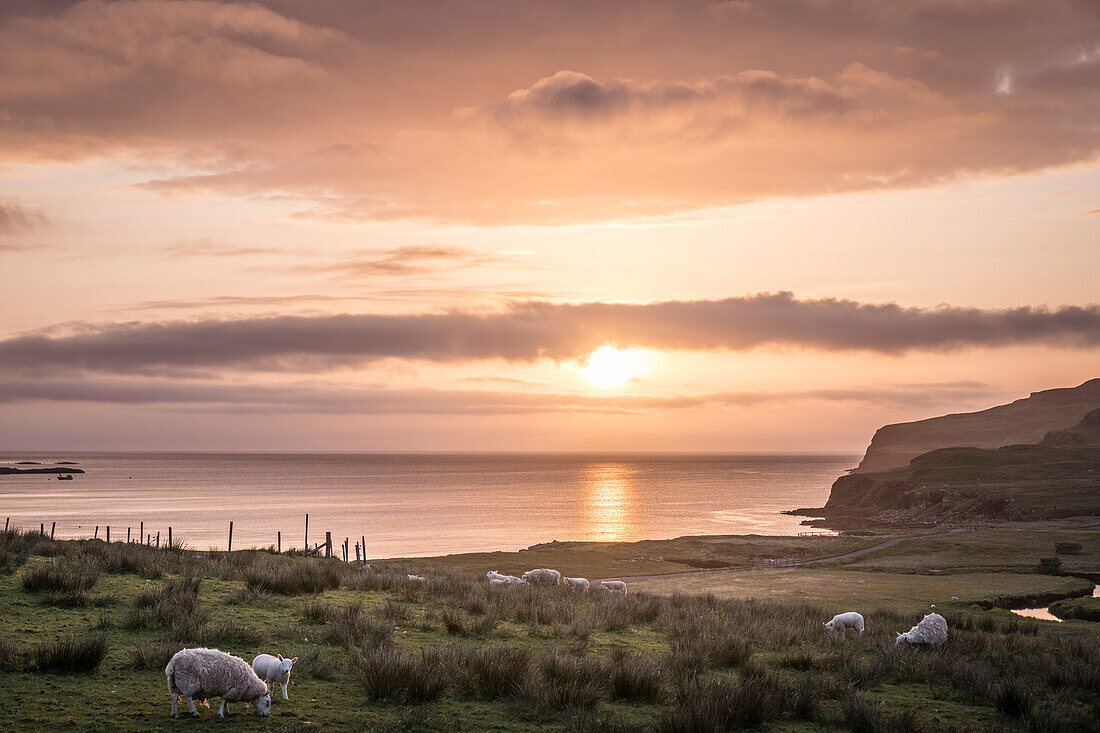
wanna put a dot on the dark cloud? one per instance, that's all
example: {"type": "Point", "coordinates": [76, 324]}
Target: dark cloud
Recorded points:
{"type": "Point", "coordinates": [539, 330]}
{"type": "Point", "coordinates": [17, 219]}
{"type": "Point", "coordinates": [319, 399]}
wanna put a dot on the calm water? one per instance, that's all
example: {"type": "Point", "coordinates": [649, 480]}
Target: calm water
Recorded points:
{"type": "Point", "coordinates": [420, 504]}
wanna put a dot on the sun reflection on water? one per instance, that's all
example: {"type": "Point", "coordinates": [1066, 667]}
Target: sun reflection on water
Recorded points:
{"type": "Point", "coordinates": [609, 510]}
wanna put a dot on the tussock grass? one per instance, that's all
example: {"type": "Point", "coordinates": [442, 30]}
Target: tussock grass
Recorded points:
{"type": "Point", "coordinates": [291, 577]}
{"type": "Point", "coordinates": [63, 575]}
{"type": "Point", "coordinates": [151, 656]}
{"type": "Point", "coordinates": [74, 655]}
{"type": "Point", "coordinates": [174, 606]}
{"type": "Point", "coordinates": [390, 674]}
{"type": "Point", "coordinates": [351, 627]}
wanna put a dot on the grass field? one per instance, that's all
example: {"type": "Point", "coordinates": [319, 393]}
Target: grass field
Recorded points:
{"type": "Point", "coordinates": [380, 652]}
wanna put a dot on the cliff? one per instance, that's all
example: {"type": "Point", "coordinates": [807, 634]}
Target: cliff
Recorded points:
{"type": "Point", "coordinates": [1025, 421]}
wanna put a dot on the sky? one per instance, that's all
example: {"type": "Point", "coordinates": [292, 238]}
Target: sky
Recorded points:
{"type": "Point", "coordinates": [540, 226]}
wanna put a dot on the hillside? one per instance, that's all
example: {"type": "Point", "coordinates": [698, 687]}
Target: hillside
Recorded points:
{"type": "Point", "coordinates": [1024, 421]}
{"type": "Point", "coordinates": [1059, 478]}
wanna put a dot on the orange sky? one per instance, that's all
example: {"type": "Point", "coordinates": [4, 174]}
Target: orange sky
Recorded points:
{"type": "Point", "coordinates": [395, 226]}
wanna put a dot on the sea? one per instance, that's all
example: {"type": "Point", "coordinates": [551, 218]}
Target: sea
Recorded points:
{"type": "Point", "coordinates": [415, 504]}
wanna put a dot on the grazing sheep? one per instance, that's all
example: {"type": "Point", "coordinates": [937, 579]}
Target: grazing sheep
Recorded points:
{"type": "Point", "coordinates": [273, 669]}
{"type": "Point", "coordinates": [206, 673]}
{"type": "Point", "coordinates": [931, 630]}
{"type": "Point", "coordinates": [844, 621]}
{"type": "Point", "coordinates": [416, 578]}
{"type": "Point", "coordinates": [615, 586]}
{"type": "Point", "coordinates": [542, 576]}
{"type": "Point", "coordinates": [581, 583]}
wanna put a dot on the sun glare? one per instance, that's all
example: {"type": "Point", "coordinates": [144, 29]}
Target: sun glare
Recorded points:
{"type": "Point", "coordinates": [611, 367]}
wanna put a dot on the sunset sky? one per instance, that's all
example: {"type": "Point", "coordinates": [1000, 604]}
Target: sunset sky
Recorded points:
{"type": "Point", "coordinates": [777, 224]}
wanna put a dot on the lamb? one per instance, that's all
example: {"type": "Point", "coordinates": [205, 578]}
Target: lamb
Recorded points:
{"type": "Point", "coordinates": [206, 673]}
{"type": "Point", "coordinates": [273, 669]}
{"type": "Point", "coordinates": [507, 580]}
{"type": "Point", "coordinates": [416, 578]}
{"type": "Point", "coordinates": [493, 575]}
{"type": "Point", "coordinates": [542, 576]}
{"type": "Point", "coordinates": [844, 621]}
{"type": "Point", "coordinates": [581, 583]}
{"type": "Point", "coordinates": [615, 586]}
{"type": "Point", "coordinates": [931, 630]}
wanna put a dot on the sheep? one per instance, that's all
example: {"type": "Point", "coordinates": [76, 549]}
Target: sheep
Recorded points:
{"type": "Point", "coordinates": [494, 575]}
{"type": "Point", "coordinates": [542, 576]}
{"type": "Point", "coordinates": [615, 586]}
{"type": "Point", "coordinates": [273, 669]}
{"type": "Point", "coordinates": [844, 621]}
{"type": "Point", "coordinates": [416, 578]}
{"type": "Point", "coordinates": [931, 630]}
{"type": "Point", "coordinates": [581, 583]}
{"type": "Point", "coordinates": [206, 673]}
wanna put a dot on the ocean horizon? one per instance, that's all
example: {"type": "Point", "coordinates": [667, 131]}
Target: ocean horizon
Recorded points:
{"type": "Point", "coordinates": [409, 504]}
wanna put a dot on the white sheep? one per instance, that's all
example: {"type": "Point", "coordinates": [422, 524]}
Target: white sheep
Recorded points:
{"type": "Point", "coordinates": [615, 586]}
{"type": "Point", "coordinates": [206, 673]}
{"type": "Point", "coordinates": [274, 669]}
{"type": "Point", "coordinates": [580, 583]}
{"type": "Point", "coordinates": [844, 621]}
{"type": "Point", "coordinates": [542, 576]}
{"type": "Point", "coordinates": [416, 578]}
{"type": "Point", "coordinates": [931, 630]}
{"type": "Point", "coordinates": [494, 575]}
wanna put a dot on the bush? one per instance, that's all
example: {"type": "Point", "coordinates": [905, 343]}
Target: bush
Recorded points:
{"type": "Point", "coordinates": [1011, 696]}
{"type": "Point", "coordinates": [390, 674]}
{"type": "Point", "coordinates": [634, 678]}
{"type": "Point", "coordinates": [351, 627]}
{"type": "Point", "coordinates": [70, 656]}
{"type": "Point", "coordinates": [557, 681]}
{"type": "Point", "coordinates": [1050, 565]}
{"type": "Point", "coordinates": [490, 672]}
{"type": "Point", "coordinates": [1068, 548]}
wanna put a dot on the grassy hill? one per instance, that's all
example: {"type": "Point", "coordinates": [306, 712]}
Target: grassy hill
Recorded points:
{"type": "Point", "coordinates": [1026, 420]}
{"type": "Point", "coordinates": [88, 628]}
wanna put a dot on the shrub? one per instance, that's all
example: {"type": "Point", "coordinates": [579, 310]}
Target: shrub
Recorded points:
{"type": "Point", "coordinates": [77, 654]}
{"type": "Point", "coordinates": [557, 680]}
{"type": "Point", "coordinates": [1011, 696]}
{"type": "Point", "coordinates": [390, 674]}
{"type": "Point", "coordinates": [318, 612]}
{"type": "Point", "coordinates": [11, 656]}
{"type": "Point", "coordinates": [1068, 548]}
{"type": "Point", "coordinates": [1050, 565]}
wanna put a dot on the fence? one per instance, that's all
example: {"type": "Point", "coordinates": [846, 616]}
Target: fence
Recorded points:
{"type": "Point", "coordinates": [349, 550]}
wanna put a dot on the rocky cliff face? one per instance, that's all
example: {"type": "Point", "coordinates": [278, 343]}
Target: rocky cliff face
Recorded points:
{"type": "Point", "coordinates": [1024, 421]}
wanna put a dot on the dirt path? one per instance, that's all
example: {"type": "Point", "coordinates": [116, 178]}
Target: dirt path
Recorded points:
{"type": "Point", "coordinates": [793, 564]}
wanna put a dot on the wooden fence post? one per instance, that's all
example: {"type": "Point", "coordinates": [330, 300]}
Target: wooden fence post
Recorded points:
{"type": "Point", "coordinates": [52, 528]}
{"type": "Point", "coordinates": [42, 528]}
{"type": "Point", "coordinates": [230, 537]}
{"type": "Point", "coordinates": [279, 542]}
{"type": "Point", "coordinates": [364, 540]}
{"type": "Point", "coordinates": [356, 553]}
{"type": "Point", "coordinates": [127, 535]}
{"type": "Point", "coordinates": [141, 531]}
{"type": "Point", "coordinates": [96, 535]}
{"type": "Point", "coordinates": [307, 531]}
{"type": "Point", "coordinates": [328, 544]}
{"type": "Point", "coordinates": [108, 533]}
{"type": "Point", "coordinates": [158, 539]}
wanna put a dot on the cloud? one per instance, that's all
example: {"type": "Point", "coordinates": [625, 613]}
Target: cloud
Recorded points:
{"type": "Point", "coordinates": [17, 219]}
{"type": "Point", "coordinates": [321, 399]}
{"type": "Point", "coordinates": [207, 247]}
{"type": "Point", "coordinates": [534, 330]}
{"type": "Point", "coordinates": [411, 260]}
{"type": "Point", "coordinates": [550, 111]}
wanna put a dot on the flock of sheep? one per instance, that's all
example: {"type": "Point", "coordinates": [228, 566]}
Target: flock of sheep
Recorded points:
{"type": "Point", "coordinates": [208, 673]}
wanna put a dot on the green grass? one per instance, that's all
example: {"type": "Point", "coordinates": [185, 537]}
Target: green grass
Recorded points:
{"type": "Point", "coordinates": [381, 653]}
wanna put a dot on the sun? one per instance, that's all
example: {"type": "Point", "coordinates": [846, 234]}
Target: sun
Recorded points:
{"type": "Point", "coordinates": [611, 367]}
